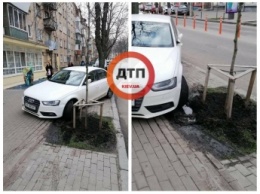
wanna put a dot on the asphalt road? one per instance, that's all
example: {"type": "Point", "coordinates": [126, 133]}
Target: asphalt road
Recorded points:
{"type": "Point", "coordinates": [201, 48]}
{"type": "Point", "coordinates": [122, 106]}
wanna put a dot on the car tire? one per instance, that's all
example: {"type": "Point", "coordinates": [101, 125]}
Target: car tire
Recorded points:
{"type": "Point", "coordinates": [68, 110]}
{"type": "Point", "coordinates": [109, 93]}
{"type": "Point", "coordinates": [184, 95]}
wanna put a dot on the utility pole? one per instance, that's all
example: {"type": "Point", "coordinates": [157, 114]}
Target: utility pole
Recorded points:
{"type": "Point", "coordinates": [191, 9]}
{"type": "Point", "coordinates": [87, 63]}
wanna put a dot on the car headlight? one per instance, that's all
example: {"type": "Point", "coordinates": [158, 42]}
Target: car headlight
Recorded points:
{"type": "Point", "coordinates": [165, 85]}
{"type": "Point", "coordinates": [51, 103]}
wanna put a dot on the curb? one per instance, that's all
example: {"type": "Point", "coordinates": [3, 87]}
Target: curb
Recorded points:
{"type": "Point", "coordinates": [122, 155]}
{"type": "Point", "coordinates": [224, 22]}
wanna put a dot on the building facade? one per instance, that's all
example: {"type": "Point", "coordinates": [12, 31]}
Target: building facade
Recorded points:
{"type": "Point", "coordinates": [37, 33]}
{"type": "Point", "coordinates": [19, 48]}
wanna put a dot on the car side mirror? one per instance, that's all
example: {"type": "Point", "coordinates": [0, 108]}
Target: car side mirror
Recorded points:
{"type": "Point", "coordinates": [89, 81]}
{"type": "Point", "coordinates": [180, 35]}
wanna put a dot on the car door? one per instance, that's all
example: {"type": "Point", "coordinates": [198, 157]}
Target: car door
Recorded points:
{"type": "Point", "coordinates": [92, 87]}
{"type": "Point", "coordinates": [102, 81]}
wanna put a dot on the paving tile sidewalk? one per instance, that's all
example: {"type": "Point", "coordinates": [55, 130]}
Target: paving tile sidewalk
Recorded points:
{"type": "Point", "coordinates": [51, 168]}
{"type": "Point", "coordinates": [164, 160]}
{"type": "Point", "coordinates": [32, 164]}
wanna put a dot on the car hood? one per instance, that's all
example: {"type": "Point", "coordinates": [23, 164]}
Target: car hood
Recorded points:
{"type": "Point", "coordinates": [48, 90]}
{"type": "Point", "coordinates": [164, 61]}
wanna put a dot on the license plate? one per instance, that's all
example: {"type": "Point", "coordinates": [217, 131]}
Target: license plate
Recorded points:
{"type": "Point", "coordinates": [30, 106]}
{"type": "Point", "coordinates": [133, 103]}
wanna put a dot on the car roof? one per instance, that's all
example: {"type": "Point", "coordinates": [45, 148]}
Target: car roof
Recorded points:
{"type": "Point", "coordinates": [82, 68]}
{"type": "Point", "coordinates": [151, 17]}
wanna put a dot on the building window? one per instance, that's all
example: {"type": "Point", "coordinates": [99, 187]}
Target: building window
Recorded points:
{"type": "Point", "coordinates": [16, 18]}
{"type": "Point", "coordinates": [38, 10]}
{"type": "Point", "coordinates": [29, 31]}
{"type": "Point", "coordinates": [11, 18]}
{"type": "Point", "coordinates": [5, 61]}
{"type": "Point", "coordinates": [64, 44]}
{"type": "Point", "coordinates": [24, 22]}
{"type": "Point", "coordinates": [61, 43]}
{"type": "Point", "coordinates": [61, 59]}
{"type": "Point", "coordinates": [13, 62]}
{"type": "Point", "coordinates": [39, 35]}
{"type": "Point", "coordinates": [38, 61]}
{"type": "Point", "coordinates": [47, 15]}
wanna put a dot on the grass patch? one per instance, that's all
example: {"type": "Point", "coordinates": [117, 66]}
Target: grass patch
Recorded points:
{"type": "Point", "coordinates": [92, 138]}
{"type": "Point", "coordinates": [239, 131]}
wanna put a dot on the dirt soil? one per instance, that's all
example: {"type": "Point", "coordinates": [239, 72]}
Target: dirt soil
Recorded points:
{"type": "Point", "coordinates": [104, 140]}
{"type": "Point", "coordinates": [237, 134]}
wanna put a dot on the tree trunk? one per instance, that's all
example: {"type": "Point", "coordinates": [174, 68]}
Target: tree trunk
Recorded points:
{"type": "Point", "coordinates": [108, 24]}
{"type": "Point", "coordinates": [98, 28]}
{"type": "Point", "coordinates": [228, 104]}
{"type": "Point", "coordinates": [135, 8]}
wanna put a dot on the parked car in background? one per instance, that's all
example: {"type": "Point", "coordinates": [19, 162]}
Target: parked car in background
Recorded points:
{"type": "Point", "coordinates": [157, 38]}
{"type": "Point", "coordinates": [96, 64]}
{"type": "Point", "coordinates": [141, 7]}
{"type": "Point", "coordinates": [55, 97]}
{"type": "Point", "coordinates": [153, 10]}
{"type": "Point", "coordinates": [165, 10]}
{"type": "Point", "coordinates": [182, 9]}
{"type": "Point", "coordinates": [148, 7]}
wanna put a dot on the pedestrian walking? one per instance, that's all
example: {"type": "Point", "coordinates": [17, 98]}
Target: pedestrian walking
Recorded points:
{"type": "Point", "coordinates": [82, 63]}
{"type": "Point", "coordinates": [70, 64]}
{"type": "Point", "coordinates": [49, 70]}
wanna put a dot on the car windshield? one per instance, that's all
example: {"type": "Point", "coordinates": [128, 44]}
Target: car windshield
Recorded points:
{"type": "Point", "coordinates": [183, 7]}
{"type": "Point", "coordinates": [151, 34]}
{"type": "Point", "coordinates": [68, 77]}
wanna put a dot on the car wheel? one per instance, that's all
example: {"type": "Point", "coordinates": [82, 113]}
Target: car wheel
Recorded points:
{"type": "Point", "coordinates": [109, 93]}
{"type": "Point", "coordinates": [68, 110]}
{"type": "Point", "coordinates": [184, 95]}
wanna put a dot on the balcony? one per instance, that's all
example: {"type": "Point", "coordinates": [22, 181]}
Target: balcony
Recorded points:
{"type": "Point", "coordinates": [77, 41]}
{"type": "Point", "coordinates": [77, 52]}
{"type": "Point", "coordinates": [17, 33]}
{"type": "Point", "coordinates": [52, 45]}
{"type": "Point", "coordinates": [50, 24]}
{"type": "Point", "coordinates": [50, 6]}
{"type": "Point", "coordinates": [78, 31]}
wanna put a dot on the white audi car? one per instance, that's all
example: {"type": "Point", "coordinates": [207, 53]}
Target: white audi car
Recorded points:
{"type": "Point", "coordinates": [54, 98]}
{"type": "Point", "coordinates": [157, 38]}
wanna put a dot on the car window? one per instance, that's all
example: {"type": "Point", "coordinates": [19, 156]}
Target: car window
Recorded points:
{"type": "Point", "coordinates": [174, 30]}
{"type": "Point", "coordinates": [68, 77]}
{"type": "Point", "coordinates": [151, 34]}
{"type": "Point", "coordinates": [93, 76]}
{"type": "Point", "coordinates": [101, 74]}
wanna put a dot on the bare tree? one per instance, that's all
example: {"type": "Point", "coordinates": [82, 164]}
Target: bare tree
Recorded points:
{"type": "Point", "coordinates": [231, 82]}
{"type": "Point", "coordinates": [109, 26]}
{"type": "Point", "coordinates": [121, 46]}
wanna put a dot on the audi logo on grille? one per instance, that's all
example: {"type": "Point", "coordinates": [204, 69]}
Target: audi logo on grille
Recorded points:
{"type": "Point", "coordinates": [31, 100]}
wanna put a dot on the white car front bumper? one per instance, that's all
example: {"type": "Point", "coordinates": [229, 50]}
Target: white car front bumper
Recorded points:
{"type": "Point", "coordinates": [41, 111]}
{"type": "Point", "coordinates": [156, 103]}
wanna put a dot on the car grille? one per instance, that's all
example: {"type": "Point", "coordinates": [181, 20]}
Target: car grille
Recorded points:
{"type": "Point", "coordinates": [32, 102]}
{"type": "Point", "coordinates": [160, 107]}
{"type": "Point", "coordinates": [138, 103]}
